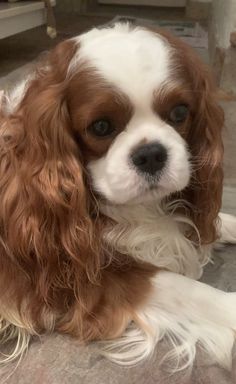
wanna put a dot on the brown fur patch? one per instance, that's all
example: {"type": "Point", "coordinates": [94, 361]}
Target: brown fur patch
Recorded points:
{"type": "Point", "coordinates": [99, 100]}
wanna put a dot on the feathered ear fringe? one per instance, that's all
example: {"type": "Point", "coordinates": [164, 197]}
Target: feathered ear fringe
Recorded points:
{"type": "Point", "coordinates": [48, 238]}
{"type": "Point", "coordinates": [205, 142]}
{"type": "Point", "coordinates": [55, 272]}
{"type": "Point", "coordinates": [204, 139]}
{"type": "Point", "coordinates": [206, 146]}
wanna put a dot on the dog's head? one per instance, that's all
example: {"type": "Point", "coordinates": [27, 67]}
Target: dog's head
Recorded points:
{"type": "Point", "coordinates": [141, 109]}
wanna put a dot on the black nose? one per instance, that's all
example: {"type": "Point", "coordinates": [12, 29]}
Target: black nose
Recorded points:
{"type": "Point", "coordinates": [149, 158]}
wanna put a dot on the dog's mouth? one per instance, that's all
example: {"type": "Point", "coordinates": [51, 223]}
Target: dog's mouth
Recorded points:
{"type": "Point", "coordinates": [150, 193]}
{"type": "Point", "coordinates": [153, 188]}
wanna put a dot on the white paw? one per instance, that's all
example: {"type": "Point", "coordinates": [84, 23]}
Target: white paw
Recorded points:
{"type": "Point", "coordinates": [227, 228]}
{"type": "Point", "coordinates": [231, 309]}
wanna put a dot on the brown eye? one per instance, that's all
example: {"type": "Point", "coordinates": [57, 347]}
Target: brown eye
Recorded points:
{"type": "Point", "coordinates": [101, 128]}
{"type": "Point", "coordinates": [178, 114]}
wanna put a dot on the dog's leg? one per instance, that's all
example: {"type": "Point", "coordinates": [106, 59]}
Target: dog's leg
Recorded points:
{"type": "Point", "coordinates": [187, 312]}
{"type": "Point", "coordinates": [227, 228]}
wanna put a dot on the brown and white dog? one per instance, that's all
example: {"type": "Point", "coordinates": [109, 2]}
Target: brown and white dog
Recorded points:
{"type": "Point", "coordinates": [110, 191]}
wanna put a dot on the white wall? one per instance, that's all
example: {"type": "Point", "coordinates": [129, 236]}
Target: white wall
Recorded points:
{"type": "Point", "coordinates": [224, 21]}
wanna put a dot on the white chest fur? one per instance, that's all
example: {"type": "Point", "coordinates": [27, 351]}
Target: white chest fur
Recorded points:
{"type": "Point", "coordinates": [157, 235]}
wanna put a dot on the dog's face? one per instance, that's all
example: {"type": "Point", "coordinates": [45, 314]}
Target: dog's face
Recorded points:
{"type": "Point", "coordinates": [149, 159]}
{"type": "Point", "coordinates": [136, 111]}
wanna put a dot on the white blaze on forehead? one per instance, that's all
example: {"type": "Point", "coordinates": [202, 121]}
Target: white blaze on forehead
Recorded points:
{"type": "Point", "coordinates": [135, 60]}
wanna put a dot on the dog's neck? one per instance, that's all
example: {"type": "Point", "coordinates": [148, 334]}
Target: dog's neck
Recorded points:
{"type": "Point", "coordinates": [157, 234]}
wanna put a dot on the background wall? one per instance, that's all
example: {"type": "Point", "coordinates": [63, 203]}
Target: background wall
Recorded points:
{"type": "Point", "coordinates": [222, 55]}
{"type": "Point", "coordinates": [223, 21]}
{"type": "Point", "coordinates": [71, 5]}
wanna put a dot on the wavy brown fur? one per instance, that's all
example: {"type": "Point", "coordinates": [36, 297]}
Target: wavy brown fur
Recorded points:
{"type": "Point", "coordinates": [204, 138]}
{"type": "Point", "coordinates": [55, 271]}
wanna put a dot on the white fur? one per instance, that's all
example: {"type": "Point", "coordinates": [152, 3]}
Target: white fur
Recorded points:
{"type": "Point", "coordinates": [12, 98]}
{"type": "Point", "coordinates": [187, 312]}
{"type": "Point", "coordinates": [134, 60]}
{"type": "Point", "coordinates": [117, 179]}
{"type": "Point", "coordinates": [19, 339]}
{"type": "Point", "coordinates": [227, 228]}
{"type": "Point", "coordinates": [157, 234]}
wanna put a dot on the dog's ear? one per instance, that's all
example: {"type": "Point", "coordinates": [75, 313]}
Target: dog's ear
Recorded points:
{"type": "Point", "coordinates": [55, 272]}
{"type": "Point", "coordinates": [45, 206]}
{"type": "Point", "coordinates": [205, 144]}
{"type": "Point", "coordinates": [204, 138]}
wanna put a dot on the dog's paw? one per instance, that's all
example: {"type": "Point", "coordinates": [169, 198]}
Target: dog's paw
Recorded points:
{"type": "Point", "coordinates": [230, 309]}
{"type": "Point", "coordinates": [227, 228]}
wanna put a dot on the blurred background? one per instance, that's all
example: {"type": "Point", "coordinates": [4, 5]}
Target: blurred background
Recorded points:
{"type": "Point", "coordinates": [209, 26]}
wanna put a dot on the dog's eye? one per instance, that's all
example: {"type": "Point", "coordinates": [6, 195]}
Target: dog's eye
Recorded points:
{"type": "Point", "coordinates": [178, 114]}
{"type": "Point", "coordinates": [101, 128]}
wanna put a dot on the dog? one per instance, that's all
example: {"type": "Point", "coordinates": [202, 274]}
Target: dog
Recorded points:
{"type": "Point", "coordinates": [110, 196]}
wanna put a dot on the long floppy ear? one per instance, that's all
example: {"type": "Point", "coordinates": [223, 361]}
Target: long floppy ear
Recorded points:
{"type": "Point", "coordinates": [55, 273]}
{"type": "Point", "coordinates": [204, 139]}
{"type": "Point", "coordinates": [206, 147]}
{"type": "Point", "coordinates": [45, 207]}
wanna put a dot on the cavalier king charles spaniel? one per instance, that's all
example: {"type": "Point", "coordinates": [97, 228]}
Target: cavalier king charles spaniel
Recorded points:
{"type": "Point", "coordinates": [110, 191]}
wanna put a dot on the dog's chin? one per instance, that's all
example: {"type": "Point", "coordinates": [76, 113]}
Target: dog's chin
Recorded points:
{"type": "Point", "coordinates": [153, 193]}
{"type": "Point", "coordinates": [143, 192]}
